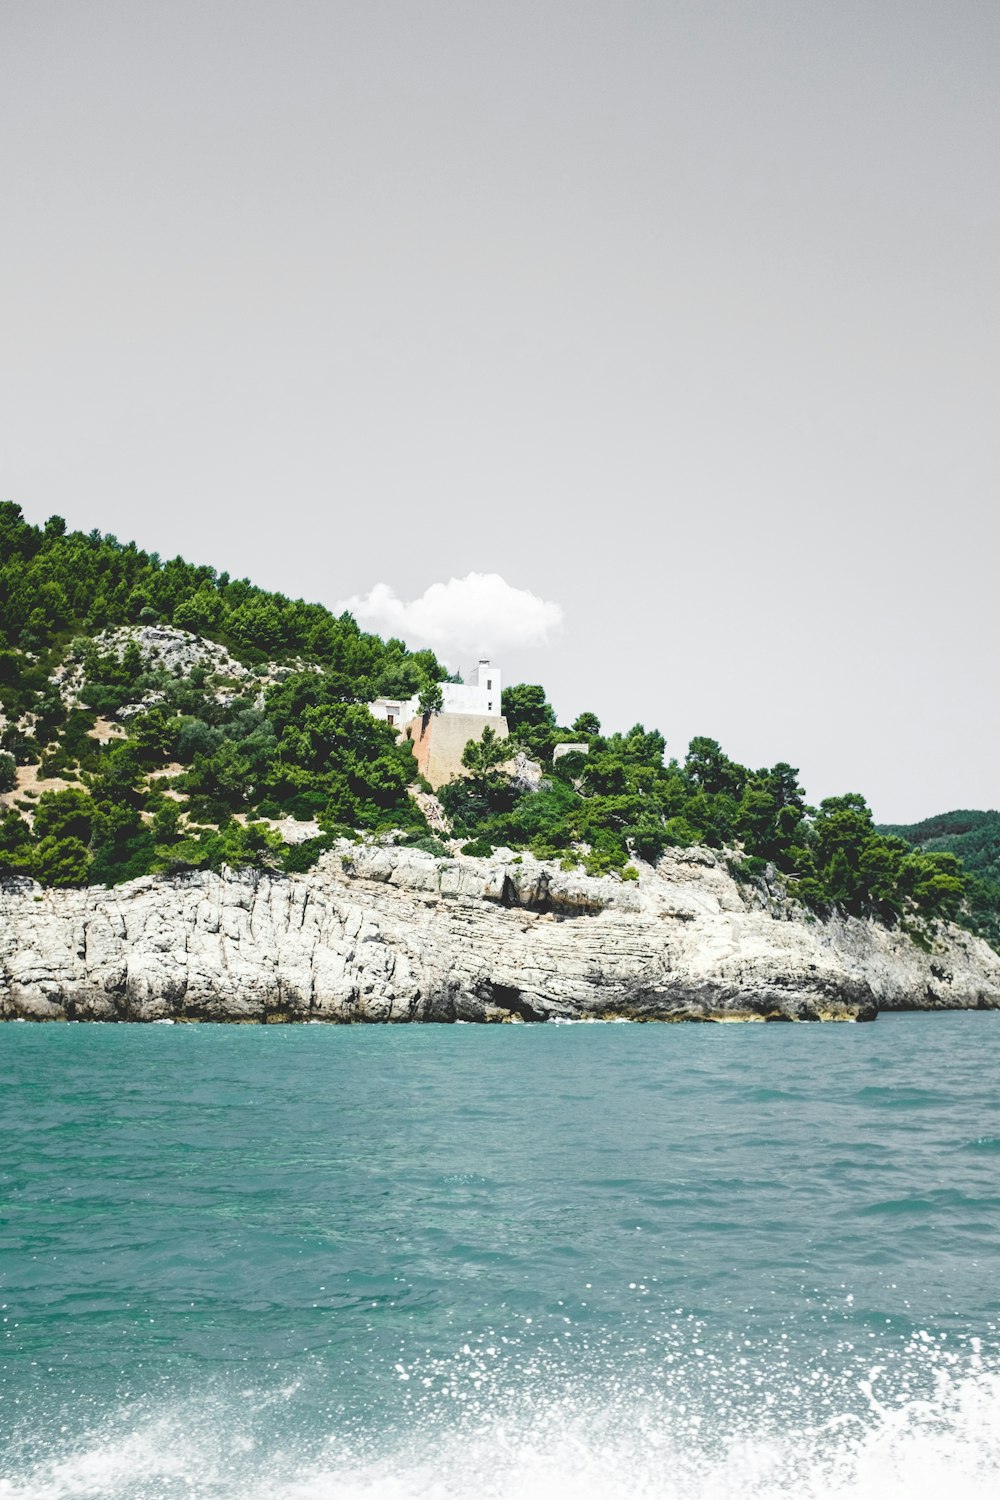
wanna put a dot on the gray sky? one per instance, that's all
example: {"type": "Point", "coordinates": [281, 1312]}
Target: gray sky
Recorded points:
{"type": "Point", "coordinates": [680, 316]}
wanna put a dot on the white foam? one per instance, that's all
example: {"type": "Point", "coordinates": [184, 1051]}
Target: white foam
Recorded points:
{"type": "Point", "coordinates": [948, 1443]}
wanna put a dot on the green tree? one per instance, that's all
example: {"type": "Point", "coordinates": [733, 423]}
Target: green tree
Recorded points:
{"type": "Point", "coordinates": [8, 772]}
{"type": "Point", "coordinates": [65, 815]}
{"type": "Point", "coordinates": [259, 624]}
{"type": "Point", "coordinates": [251, 844]}
{"type": "Point", "coordinates": [586, 724]}
{"type": "Point", "coordinates": [166, 822]}
{"type": "Point", "coordinates": [482, 757]}
{"type": "Point", "coordinates": [709, 769]}
{"type": "Point", "coordinates": [431, 698]}
{"type": "Point", "coordinates": [199, 612]}
{"type": "Point", "coordinates": [525, 706]}
{"type": "Point", "coordinates": [224, 777]}
{"type": "Point", "coordinates": [15, 840]}
{"type": "Point", "coordinates": [123, 847]}
{"type": "Point", "coordinates": [60, 862]}
{"type": "Point", "coordinates": [154, 734]}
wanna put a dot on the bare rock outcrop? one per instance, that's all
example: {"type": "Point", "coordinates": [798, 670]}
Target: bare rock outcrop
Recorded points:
{"type": "Point", "coordinates": [387, 934]}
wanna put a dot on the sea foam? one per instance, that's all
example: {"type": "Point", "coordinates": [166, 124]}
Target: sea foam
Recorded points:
{"type": "Point", "coordinates": [538, 1447]}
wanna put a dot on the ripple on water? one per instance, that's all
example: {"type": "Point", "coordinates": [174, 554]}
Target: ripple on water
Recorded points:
{"type": "Point", "coordinates": [686, 1264]}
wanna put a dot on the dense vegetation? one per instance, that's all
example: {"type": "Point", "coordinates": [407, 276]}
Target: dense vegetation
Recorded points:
{"type": "Point", "coordinates": [153, 767]}
{"type": "Point", "coordinates": [54, 585]}
{"type": "Point", "coordinates": [975, 838]}
{"type": "Point", "coordinates": [287, 739]}
{"type": "Point", "coordinates": [621, 800]}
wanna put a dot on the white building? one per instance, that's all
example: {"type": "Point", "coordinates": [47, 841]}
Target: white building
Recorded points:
{"type": "Point", "coordinates": [395, 711]}
{"type": "Point", "coordinates": [439, 739]}
{"type": "Point", "coordinates": [480, 695]}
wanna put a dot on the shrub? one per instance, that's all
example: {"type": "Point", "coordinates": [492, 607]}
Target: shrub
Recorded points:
{"type": "Point", "coordinates": [8, 771]}
{"type": "Point", "coordinates": [297, 858]}
{"type": "Point", "coordinates": [479, 848]}
{"type": "Point", "coordinates": [428, 842]}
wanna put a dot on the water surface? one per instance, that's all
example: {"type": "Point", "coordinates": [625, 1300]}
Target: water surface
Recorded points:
{"type": "Point", "coordinates": [665, 1261]}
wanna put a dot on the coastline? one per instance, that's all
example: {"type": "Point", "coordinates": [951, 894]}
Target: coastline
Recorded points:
{"type": "Point", "coordinates": [378, 934]}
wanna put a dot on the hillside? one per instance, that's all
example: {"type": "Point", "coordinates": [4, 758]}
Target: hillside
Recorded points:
{"type": "Point", "coordinates": [161, 717]}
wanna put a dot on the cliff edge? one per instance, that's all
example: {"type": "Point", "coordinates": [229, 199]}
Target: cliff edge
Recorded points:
{"type": "Point", "coordinates": [376, 934]}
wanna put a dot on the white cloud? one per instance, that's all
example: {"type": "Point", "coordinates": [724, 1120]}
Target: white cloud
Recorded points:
{"type": "Point", "coordinates": [480, 612]}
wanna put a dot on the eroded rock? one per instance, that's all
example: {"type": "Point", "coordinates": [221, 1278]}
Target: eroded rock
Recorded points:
{"type": "Point", "coordinates": [394, 935]}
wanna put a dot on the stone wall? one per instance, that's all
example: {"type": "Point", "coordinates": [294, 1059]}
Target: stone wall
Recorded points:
{"type": "Point", "coordinates": [439, 740]}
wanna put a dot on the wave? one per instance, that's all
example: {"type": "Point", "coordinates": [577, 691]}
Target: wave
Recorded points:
{"type": "Point", "coordinates": [987, 1143]}
{"type": "Point", "coordinates": [637, 1444]}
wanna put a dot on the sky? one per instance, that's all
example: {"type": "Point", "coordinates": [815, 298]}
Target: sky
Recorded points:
{"type": "Point", "coordinates": [650, 347]}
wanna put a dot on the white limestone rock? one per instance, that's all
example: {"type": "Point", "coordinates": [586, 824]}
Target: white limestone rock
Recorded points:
{"type": "Point", "coordinates": [388, 934]}
{"type": "Point", "coordinates": [177, 651]}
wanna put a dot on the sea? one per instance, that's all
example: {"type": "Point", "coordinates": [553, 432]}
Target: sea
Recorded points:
{"type": "Point", "coordinates": [477, 1263]}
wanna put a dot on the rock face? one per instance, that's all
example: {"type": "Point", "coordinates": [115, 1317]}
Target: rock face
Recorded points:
{"type": "Point", "coordinates": [160, 646]}
{"type": "Point", "coordinates": [386, 934]}
{"type": "Point", "coordinates": [166, 648]}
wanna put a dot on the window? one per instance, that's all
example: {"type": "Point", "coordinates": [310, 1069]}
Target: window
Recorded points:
{"type": "Point", "coordinates": [489, 684]}
{"type": "Point", "coordinates": [489, 707]}
{"type": "Point", "coordinates": [389, 719]}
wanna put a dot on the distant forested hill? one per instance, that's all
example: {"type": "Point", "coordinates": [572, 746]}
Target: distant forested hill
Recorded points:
{"type": "Point", "coordinates": [975, 838]}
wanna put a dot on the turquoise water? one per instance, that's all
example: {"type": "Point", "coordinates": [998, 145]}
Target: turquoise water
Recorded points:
{"type": "Point", "coordinates": [603, 1261]}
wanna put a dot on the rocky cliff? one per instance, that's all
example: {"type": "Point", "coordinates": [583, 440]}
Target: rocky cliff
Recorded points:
{"type": "Point", "coordinates": [388, 934]}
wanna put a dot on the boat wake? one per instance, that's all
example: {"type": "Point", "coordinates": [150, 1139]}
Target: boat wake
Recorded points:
{"type": "Point", "coordinates": [633, 1445]}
